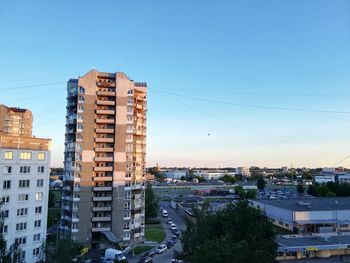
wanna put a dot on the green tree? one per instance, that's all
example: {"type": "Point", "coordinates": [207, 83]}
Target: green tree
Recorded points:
{"type": "Point", "coordinates": [151, 203]}
{"type": "Point", "coordinates": [238, 233]}
{"type": "Point", "coordinates": [51, 199]}
{"type": "Point", "coordinates": [261, 183]}
{"type": "Point", "coordinates": [251, 194]}
{"type": "Point", "coordinates": [65, 250]}
{"type": "Point", "coordinates": [300, 189]}
{"type": "Point", "coordinates": [240, 192]}
{"type": "Point", "coordinates": [311, 190]}
{"type": "Point", "coordinates": [228, 179]}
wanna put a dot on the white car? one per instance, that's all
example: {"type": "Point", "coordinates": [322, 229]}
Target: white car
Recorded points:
{"type": "Point", "coordinates": [162, 248]}
{"type": "Point", "coordinates": [170, 221]}
{"type": "Point", "coordinates": [173, 226]}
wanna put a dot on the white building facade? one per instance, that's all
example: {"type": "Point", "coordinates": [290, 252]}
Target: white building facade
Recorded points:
{"type": "Point", "coordinates": [24, 184]}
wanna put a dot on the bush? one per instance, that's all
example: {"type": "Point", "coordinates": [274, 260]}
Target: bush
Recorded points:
{"type": "Point", "coordinates": [152, 221]}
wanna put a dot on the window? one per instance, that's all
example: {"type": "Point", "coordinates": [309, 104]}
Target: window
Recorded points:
{"type": "Point", "coordinates": [23, 183]}
{"type": "Point", "coordinates": [41, 169]}
{"type": "Point", "coordinates": [39, 196]}
{"type": "Point", "coordinates": [8, 155]}
{"type": "Point", "coordinates": [36, 251]}
{"type": "Point", "coordinates": [5, 199]}
{"type": "Point", "coordinates": [40, 182]}
{"type": "Point", "coordinates": [7, 169]}
{"type": "Point", "coordinates": [37, 223]}
{"type": "Point", "coordinates": [22, 211]}
{"type": "Point", "coordinates": [5, 229]}
{"type": "Point", "coordinates": [41, 156]}
{"type": "Point", "coordinates": [20, 240]}
{"type": "Point", "coordinates": [6, 185]}
{"type": "Point", "coordinates": [5, 213]}
{"type": "Point", "coordinates": [24, 169]}
{"type": "Point", "coordinates": [23, 197]}
{"type": "Point", "coordinates": [25, 156]}
{"type": "Point", "coordinates": [38, 210]}
{"type": "Point", "coordinates": [36, 237]}
{"type": "Point", "coordinates": [21, 226]}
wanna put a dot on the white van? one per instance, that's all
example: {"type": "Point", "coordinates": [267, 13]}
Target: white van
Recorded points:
{"type": "Point", "coordinates": [165, 213]}
{"type": "Point", "coordinates": [114, 254]}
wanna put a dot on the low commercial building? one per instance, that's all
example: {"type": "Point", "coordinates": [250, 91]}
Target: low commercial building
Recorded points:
{"type": "Point", "coordinates": [175, 174]}
{"type": "Point", "coordinates": [316, 246]}
{"type": "Point", "coordinates": [308, 215]}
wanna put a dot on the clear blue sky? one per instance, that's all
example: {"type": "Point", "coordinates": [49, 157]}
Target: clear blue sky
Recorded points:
{"type": "Point", "coordinates": [289, 54]}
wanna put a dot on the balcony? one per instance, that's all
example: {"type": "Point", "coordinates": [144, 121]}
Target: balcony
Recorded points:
{"type": "Point", "coordinates": [100, 229]}
{"type": "Point", "coordinates": [105, 84]}
{"type": "Point", "coordinates": [103, 159]}
{"type": "Point", "coordinates": [103, 188]}
{"type": "Point", "coordinates": [104, 139]}
{"type": "Point", "coordinates": [102, 209]}
{"type": "Point", "coordinates": [102, 198]}
{"type": "Point", "coordinates": [105, 93]}
{"type": "Point", "coordinates": [104, 131]}
{"type": "Point", "coordinates": [103, 178]}
{"type": "Point", "coordinates": [136, 186]}
{"type": "Point", "coordinates": [66, 197]}
{"type": "Point", "coordinates": [75, 220]}
{"type": "Point", "coordinates": [104, 149]}
{"type": "Point", "coordinates": [106, 112]}
{"type": "Point", "coordinates": [67, 218]}
{"type": "Point", "coordinates": [75, 230]}
{"type": "Point", "coordinates": [101, 219]}
{"type": "Point", "coordinates": [76, 199]}
{"type": "Point", "coordinates": [103, 169]}
{"type": "Point", "coordinates": [105, 102]}
{"type": "Point", "coordinates": [76, 179]}
{"type": "Point", "coordinates": [66, 188]}
{"type": "Point", "coordinates": [104, 121]}
{"type": "Point", "coordinates": [66, 208]}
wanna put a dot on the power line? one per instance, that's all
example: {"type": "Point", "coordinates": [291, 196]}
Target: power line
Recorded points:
{"type": "Point", "coordinates": [251, 105]}
{"type": "Point", "coordinates": [34, 85]}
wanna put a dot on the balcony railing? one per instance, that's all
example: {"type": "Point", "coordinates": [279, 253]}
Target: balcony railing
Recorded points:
{"type": "Point", "coordinates": [106, 112]}
{"type": "Point", "coordinates": [104, 130]}
{"type": "Point", "coordinates": [104, 140]}
{"type": "Point", "coordinates": [101, 219]}
{"type": "Point", "coordinates": [110, 149]}
{"type": "Point", "coordinates": [103, 159]}
{"type": "Point", "coordinates": [105, 102]}
{"type": "Point", "coordinates": [102, 198]}
{"type": "Point", "coordinates": [103, 178]}
{"type": "Point", "coordinates": [103, 188]}
{"type": "Point", "coordinates": [105, 121]}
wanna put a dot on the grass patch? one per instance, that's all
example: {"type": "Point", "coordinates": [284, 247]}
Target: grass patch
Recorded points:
{"type": "Point", "coordinates": [141, 249]}
{"type": "Point", "coordinates": [155, 233]}
{"type": "Point", "coordinates": [52, 215]}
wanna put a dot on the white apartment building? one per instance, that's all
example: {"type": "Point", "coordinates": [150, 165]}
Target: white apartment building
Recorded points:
{"type": "Point", "coordinates": [24, 187]}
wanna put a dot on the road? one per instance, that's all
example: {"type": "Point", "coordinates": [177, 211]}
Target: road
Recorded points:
{"type": "Point", "coordinates": [180, 224]}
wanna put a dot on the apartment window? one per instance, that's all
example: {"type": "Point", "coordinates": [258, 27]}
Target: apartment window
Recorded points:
{"type": "Point", "coordinates": [24, 169]}
{"type": "Point", "coordinates": [5, 229]}
{"type": "Point", "coordinates": [36, 237]}
{"type": "Point", "coordinates": [5, 199]}
{"type": "Point", "coordinates": [23, 183]}
{"type": "Point", "coordinates": [5, 214]}
{"type": "Point", "coordinates": [37, 223]}
{"type": "Point", "coordinates": [21, 226]}
{"type": "Point", "coordinates": [7, 169]}
{"type": "Point", "coordinates": [41, 169]}
{"type": "Point", "coordinates": [22, 211]}
{"type": "Point", "coordinates": [8, 155]}
{"type": "Point", "coordinates": [36, 251]}
{"type": "Point", "coordinates": [6, 185]}
{"type": "Point", "coordinates": [41, 156]}
{"type": "Point", "coordinates": [38, 210]}
{"type": "Point", "coordinates": [23, 197]}
{"type": "Point", "coordinates": [20, 240]}
{"type": "Point", "coordinates": [25, 156]}
{"type": "Point", "coordinates": [81, 99]}
{"type": "Point", "coordinates": [39, 196]}
{"type": "Point", "coordinates": [40, 182]}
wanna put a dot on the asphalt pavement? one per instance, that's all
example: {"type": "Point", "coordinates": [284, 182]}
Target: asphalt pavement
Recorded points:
{"type": "Point", "coordinates": [167, 256]}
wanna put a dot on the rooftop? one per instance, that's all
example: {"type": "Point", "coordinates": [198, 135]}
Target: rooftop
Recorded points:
{"type": "Point", "coordinates": [312, 242]}
{"type": "Point", "coordinates": [309, 204]}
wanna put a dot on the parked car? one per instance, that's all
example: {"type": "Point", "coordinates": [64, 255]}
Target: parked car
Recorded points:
{"type": "Point", "coordinates": [170, 221]}
{"type": "Point", "coordinates": [149, 254]}
{"type": "Point", "coordinates": [174, 238]}
{"type": "Point", "coordinates": [173, 226]}
{"type": "Point", "coordinates": [176, 232]}
{"type": "Point", "coordinates": [176, 260]}
{"type": "Point", "coordinates": [165, 213]}
{"type": "Point", "coordinates": [145, 259]}
{"type": "Point", "coordinates": [170, 243]}
{"type": "Point", "coordinates": [162, 248]}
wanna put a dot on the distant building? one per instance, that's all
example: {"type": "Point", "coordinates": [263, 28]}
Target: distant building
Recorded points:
{"type": "Point", "coordinates": [15, 121]}
{"type": "Point", "coordinates": [308, 215]}
{"type": "Point", "coordinates": [175, 174]}
{"type": "Point", "coordinates": [24, 183]}
{"type": "Point", "coordinates": [212, 174]}
{"type": "Point", "coordinates": [324, 179]}
{"type": "Point", "coordinates": [244, 171]}
{"type": "Point", "coordinates": [284, 169]}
